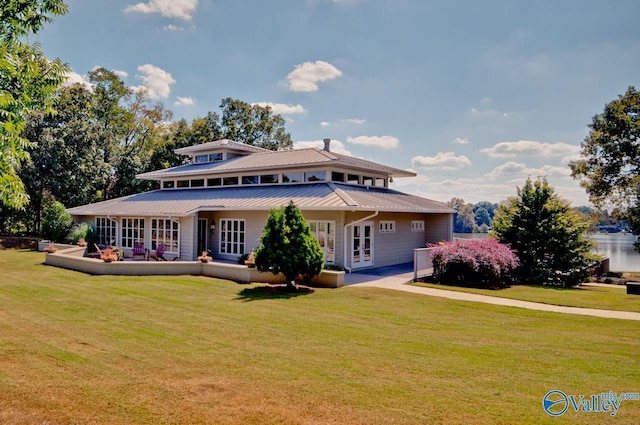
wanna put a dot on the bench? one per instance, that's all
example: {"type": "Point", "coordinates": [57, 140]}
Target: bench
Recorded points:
{"type": "Point", "coordinates": [633, 288]}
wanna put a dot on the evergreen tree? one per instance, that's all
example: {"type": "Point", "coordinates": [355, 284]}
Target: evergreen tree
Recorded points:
{"type": "Point", "coordinates": [548, 235]}
{"type": "Point", "coordinates": [288, 246]}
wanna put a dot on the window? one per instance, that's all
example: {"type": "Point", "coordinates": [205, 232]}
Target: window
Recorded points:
{"type": "Point", "coordinates": [268, 178]}
{"type": "Point", "coordinates": [291, 178]}
{"type": "Point", "coordinates": [324, 231]}
{"type": "Point", "coordinates": [232, 236]}
{"type": "Point", "coordinates": [197, 183]}
{"type": "Point", "coordinates": [387, 226]}
{"type": "Point", "coordinates": [230, 181]}
{"type": "Point", "coordinates": [380, 182]}
{"type": "Point", "coordinates": [337, 177]}
{"type": "Point", "coordinates": [249, 179]}
{"type": "Point", "coordinates": [315, 176]}
{"type": "Point", "coordinates": [215, 157]}
{"type": "Point", "coordinates": [417, 226]}
{"type": "Point", "coordinates": [367, 181]}
{"type": "Point", "coordinates": [165, 231]}
{"type": "Point", "coordinates": [168, 185]}
{"type": "Point", "coordinates": [132, 231]}
{"type": "Point", "coordinates": [217, 181]}
{"type": "Point", "coordinates": [353, 178]}
{"type": "Point", "coordinates": [201, 158]}
{"type": "Point", "coordinates": [106, 230]}
{"type": "Point", "coordinates": [183, 183]}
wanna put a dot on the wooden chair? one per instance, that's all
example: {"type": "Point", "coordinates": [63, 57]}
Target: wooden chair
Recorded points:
{"type": "Point", "coordinates": [139, 251]}
{"type": "Point", "coordinates": [159, 254]}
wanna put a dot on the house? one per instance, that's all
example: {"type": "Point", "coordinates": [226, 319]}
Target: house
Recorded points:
{"type": "Point", "coordinates": [221, 199]}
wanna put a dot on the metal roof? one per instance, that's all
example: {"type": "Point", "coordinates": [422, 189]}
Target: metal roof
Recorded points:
{"type": "Point", "coordinates": [317, 196]}
{"type": "Point", "coordinates": [224, 144]}
{"type": "Point", "coordinates": [263, 162]}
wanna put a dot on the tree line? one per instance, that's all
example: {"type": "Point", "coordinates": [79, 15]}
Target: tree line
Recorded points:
{"type": "Point", "coordinates": [104, 134]}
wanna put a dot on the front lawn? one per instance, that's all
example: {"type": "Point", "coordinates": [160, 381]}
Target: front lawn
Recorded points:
{"type": "Point", "coordinates": [79, 349]}
{"type": "Point", "coordinates": [613, 297]}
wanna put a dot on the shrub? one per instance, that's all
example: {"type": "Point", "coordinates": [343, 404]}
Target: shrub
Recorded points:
{"type": "Point", "coordinates": [79, 231]}
{"type": "Point", "coordinates": [56, 222]}
{"type": "Point", "coordinates": [481, 263]}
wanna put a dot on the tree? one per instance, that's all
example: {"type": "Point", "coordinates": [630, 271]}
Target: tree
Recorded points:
{"type": "Point", "coordinates": [610, 165]}
{"type": "Point", "coordinates": [463, 217]}
{"type": "Point", "coordinates": [28, 81]}
{"type": "Point", "coordinates": [254, 125]}
{"type": "Point", "coordinates": [56, 222]}
{"type": "Point", "coordinates": [548, 235]}
{"type": "Point", "coordinates": [288, 246]}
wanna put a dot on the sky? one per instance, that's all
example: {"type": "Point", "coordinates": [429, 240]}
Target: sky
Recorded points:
{"type": "Point", "coordinates": [473, 96]}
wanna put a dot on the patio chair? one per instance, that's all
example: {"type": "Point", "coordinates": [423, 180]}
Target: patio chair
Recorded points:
{"type": "Point", "coordinates": [159, 254]}
{"type": "Point", "coordinates": [139, 251]}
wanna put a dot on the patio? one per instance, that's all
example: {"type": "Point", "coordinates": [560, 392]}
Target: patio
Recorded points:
{"type": "Point", "coordinates": [72, 258]}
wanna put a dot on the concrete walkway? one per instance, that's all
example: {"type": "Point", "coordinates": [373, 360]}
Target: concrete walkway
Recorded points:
{"type": "Point", "coordinates": [398, 282]}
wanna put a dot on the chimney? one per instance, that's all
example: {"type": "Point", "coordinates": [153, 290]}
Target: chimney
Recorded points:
{"type": "Point", "coordinates": [327, 145]}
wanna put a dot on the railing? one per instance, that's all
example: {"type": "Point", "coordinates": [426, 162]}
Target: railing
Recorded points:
{"type": "Point", "coordinates": [422, 264]}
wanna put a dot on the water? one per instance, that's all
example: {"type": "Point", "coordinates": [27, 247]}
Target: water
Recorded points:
{"type": "Point", "coordinates": [618, 247]}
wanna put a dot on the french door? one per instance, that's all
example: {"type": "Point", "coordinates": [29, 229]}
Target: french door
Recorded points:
{"type": "Point", "coordinates": [362, 245]}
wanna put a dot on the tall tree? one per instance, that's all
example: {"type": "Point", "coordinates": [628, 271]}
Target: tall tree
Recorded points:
{"type": "Point", "coordinates": [131, 128]}
{"type": "Point", "coordinates": [610, 165]}
{"type": "Point", "coordinates": [288, 246]}
{"type": "Point", "coordinates": [548, 235]}
{"type": "Point", "coordinates": [27, 82]}
{"type": "Point", "coordinates": [68, 162]}
{"type": "Point", "coordinates": [254, 125]}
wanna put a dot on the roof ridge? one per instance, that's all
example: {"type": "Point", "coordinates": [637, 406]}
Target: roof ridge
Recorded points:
{"type": "Point", "coordinates": [342, 194]}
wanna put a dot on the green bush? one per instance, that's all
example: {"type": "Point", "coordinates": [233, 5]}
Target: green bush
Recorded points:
{"type": "Point", "coordinates": [56, 222]}
{"type": "Point", "coordinates": [288, 246]}
{"type": "Point", "coordinates": [79, 231]}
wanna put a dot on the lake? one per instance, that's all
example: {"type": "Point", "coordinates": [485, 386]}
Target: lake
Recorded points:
{"type": "Point", "coordinates": [618, 247]}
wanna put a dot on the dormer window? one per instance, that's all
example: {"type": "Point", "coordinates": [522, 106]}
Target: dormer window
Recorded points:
{"type": "Point", "coordinates": [201, 158]}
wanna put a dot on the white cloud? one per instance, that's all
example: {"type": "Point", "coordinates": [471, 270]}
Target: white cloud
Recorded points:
{"type": "Point", "coordinates": [344, 122]}
{"type": "Point", "coordinates": [517, 170]}
{"type": "Point", "coordinates": [460, 141]}
{"type": "Point", "coordinates": [120, 73]}
{"type": "Point", "coordinates": [530, 148]}
{"type": "Point", "coordinates": [75, 78]}
{"type": "Point", "coordinates": [336, 146]}
{"type": "Point", "coordinates": [172, 28]}
{"type": "Point", "coordinates": [182, 9]}
{"type": "Point", "coordinates": [442, 161]}
{"type": "Point", "coordinates": [476, 189]}
{"type": "Point", "coordinates": [386, 142]}
{"type": "Point", "coordinates": [156, 80]}
{"type": "Point", "coordinates": [304, 77]}
{"type": "Point", "coordinates": [184, 101]}
{"type": "Point", "coordinates": [281, 108]}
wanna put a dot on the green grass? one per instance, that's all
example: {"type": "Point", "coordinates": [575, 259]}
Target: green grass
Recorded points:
{"type": "Point", "coordinates": [79, 349]}
{"type": "Point", "coordinates": [601, 297]}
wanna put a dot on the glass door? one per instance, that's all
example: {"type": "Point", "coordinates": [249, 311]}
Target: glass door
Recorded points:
{"type": "Point", "coordinates": [362, 245]}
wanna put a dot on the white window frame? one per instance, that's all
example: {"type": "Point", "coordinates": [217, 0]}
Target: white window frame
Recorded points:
{"type": "Point", "coordinates": [417, 226]}
{"type": "Point", "coordinates": [327, 238]}
{"type": "Point", "coordinates": [165, 231]}
{"type": "Point", "coordinates": [132, 230]}
{"type": "Point", "coordinates": [107, 230]}
{"type": "Point", "coordinates": [232, 236]}
{"type": "Point", "coordinates": [387, 226]}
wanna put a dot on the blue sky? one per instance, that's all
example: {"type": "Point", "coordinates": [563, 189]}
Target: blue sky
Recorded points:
{"type": "Point", "coordinates": [474, 96]}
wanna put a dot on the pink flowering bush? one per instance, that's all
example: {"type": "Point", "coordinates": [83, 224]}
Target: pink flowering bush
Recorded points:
{"type": "Point", "coordinates": [480, 263]}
